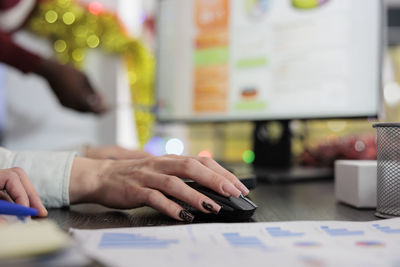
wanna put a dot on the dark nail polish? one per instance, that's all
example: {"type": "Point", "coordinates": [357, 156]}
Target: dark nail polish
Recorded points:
{"type": "Point", "coordinates": [209, 207]}
{"type": "Point", "coordinates": [186, 216]}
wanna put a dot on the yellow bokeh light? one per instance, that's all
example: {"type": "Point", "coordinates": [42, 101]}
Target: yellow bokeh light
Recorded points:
{"type": "Point", "coordinates": [51, 16]}
{"type": "Point", "coordinates": [78, 55]}
{"type": "Point", "coordinates": [60, 46]}
{"type": "Point", "coordinates": [93, 41]}
{"type": "Point", "coordinates": [68, 18]}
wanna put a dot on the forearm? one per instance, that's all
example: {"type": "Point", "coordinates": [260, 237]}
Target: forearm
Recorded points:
{"type": "Point", "coordinates": [14, 55]}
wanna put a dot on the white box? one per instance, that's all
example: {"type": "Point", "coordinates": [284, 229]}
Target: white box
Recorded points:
{"type": "Point", "coordinates": [355, 182]}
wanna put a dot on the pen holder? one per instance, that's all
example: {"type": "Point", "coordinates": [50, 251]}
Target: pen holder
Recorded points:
{"type": "Point", "coordinates": [388, 170]}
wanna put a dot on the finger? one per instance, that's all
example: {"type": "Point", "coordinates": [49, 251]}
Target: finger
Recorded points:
{"type": "Point", "coordinates": [34, 199]}
{"type": "Point", "coordinates": [93, 99]}
{"type": "Point", "coordinates": [186, 167]}
{"type": "Point", "coordinates": [12, 184]}
{"type": "Point", "coordinates": [161, 203]}
{"type": "Point", "coordinates": [175, 187]}
{"type": "Point", "coordinates": [213, 165]}
{"type": "Point", "coordinates": [96, 103]}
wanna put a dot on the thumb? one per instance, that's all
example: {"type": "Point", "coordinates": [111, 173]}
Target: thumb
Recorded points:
{"type": "Point", "coordinates": [96, 103]}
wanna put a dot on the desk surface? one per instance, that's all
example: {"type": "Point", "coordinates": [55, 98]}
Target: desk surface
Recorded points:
{"type": "Point", "coordinates": [277, 202]}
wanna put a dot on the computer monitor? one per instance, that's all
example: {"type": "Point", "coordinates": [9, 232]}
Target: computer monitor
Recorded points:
{"type": "Point", "coordinates": [264, 60]}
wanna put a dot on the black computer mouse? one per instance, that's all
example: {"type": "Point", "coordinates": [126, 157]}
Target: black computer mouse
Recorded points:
{"type": "Point", "coordinates": [233, 209]}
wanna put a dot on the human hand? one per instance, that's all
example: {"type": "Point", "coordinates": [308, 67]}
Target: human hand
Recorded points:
{"type": "Point", "coordinates": [113, 152]}
{"type": "Point", "coordinates": [17, 185]}
{"type": "Point", "coordinates": [129, 184]}
{"type": "Point", "coordinates": [71, 87]}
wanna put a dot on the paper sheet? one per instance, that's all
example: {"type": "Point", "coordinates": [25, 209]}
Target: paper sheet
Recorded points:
{"type": "Point", "coordinates": [301, 243]}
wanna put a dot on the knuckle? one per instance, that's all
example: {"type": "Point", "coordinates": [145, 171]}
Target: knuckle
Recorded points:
{"type": "Point", "coordinates": [218, 183]}
{"type": "Point", "coordinates": [19, 171]}
{"type": "Point", "coordinates": [151, 197]}
{"type": "Point", "coordinates": [169, 181]}
{"type": "Point", "coordinates": [205, 160]}
{"type": "Point", "coordinates": [12, 176]}
{"type": "Point", "coordinates": [188, 163]}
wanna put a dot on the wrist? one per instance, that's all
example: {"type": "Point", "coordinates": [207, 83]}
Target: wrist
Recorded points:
{"type": "Point", "coordinates": [86, 180]}
{"type": "Point", "coordinates": [44, 67]}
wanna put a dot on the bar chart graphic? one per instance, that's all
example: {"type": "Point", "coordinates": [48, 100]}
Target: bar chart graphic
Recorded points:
{"type": "Point", "coordinates": [134, 241]}
{"type": "Point", "coordinates": [387, 229]}
{"type": "Point", "coordinates": [369, 244]}
{"type": "Point", "coordinates": [341, 231]}
{"type": "Point", "coordinates": [279, 232]}
{"type": "Point", "coordinates": [307, 244]}
{"type": "Point", "coordinates": [237, 240]}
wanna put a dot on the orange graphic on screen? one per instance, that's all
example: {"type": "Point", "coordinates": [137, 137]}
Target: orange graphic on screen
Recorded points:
{"type": "Point", "coordinates": [218, 37]}
{"type": "Point", "coordinates": [211, 77]}
{"type": "Point", "coordinates": [211, 14]}
{"type": "Point", "coordinates": [211, 89]}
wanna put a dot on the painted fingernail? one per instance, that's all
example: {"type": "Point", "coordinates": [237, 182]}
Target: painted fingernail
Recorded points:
{"type": "Point", "coordinates": [186, 216]}
{"type": "Point", "coordinates": [230, 189]}
{"type": "Point", "coordinates": [210, 207]}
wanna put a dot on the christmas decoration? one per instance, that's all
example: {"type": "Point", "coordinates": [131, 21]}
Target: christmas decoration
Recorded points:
{"type": "Point", "coordinates": [73, 29]}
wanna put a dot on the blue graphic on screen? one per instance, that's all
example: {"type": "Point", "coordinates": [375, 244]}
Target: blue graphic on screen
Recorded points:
{"type": "Point", "coordinates": [386, 229]}
{"type": "Point", "coordinates": [340, 231]}
{"type": "Point", "coordinates": [121, 240]}
{"type": "Point", "coordinates": [236, 240]}
{"type": "Point", "coordinates": [278, 232]}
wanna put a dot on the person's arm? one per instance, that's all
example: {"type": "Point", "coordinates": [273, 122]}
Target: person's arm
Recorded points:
{"type": "Point", "coordinates": [71, 86]}
{"type": "Point", "coordinates": [49, 172]}
{"type": "Point", "coordinates": [62, 179]}
{"type": "Point", "coordinates": [111, 152]}
{"type": "Point", "coordinates": [134, 183]}
{"type": "Point", "coordinates": [16, 56]}
{"type": "Point", "coordinates": [16, 184]}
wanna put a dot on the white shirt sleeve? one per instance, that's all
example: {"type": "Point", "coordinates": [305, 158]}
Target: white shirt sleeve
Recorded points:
{"type": "Point", "coordinates": [49, 173]}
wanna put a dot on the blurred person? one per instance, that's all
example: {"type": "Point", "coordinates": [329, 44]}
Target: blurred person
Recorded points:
{"type": "Point", "coordinates": [71, 87]}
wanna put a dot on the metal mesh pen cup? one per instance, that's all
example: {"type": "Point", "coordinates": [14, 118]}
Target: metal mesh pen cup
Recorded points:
{"type": "Point", "coordinates": [388, 172]}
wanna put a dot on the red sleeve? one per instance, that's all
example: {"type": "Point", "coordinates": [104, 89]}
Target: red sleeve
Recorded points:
{"type": "Point", "coordinates": [14, 55]}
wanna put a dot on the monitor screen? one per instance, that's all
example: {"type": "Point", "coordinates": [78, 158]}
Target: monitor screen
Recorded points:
{"type": "Point", "coordinates": [268, 59]}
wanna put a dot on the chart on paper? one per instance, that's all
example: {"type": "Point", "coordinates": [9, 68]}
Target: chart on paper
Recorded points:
{"type": "Point", "coordinates": [302, 243]}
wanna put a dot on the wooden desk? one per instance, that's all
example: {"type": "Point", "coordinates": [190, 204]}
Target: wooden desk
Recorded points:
{"type": "Point", "coordinates": [277, 202]}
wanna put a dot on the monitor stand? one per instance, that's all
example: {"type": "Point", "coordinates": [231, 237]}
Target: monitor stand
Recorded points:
{"type": "Point", "coordinates": [273, 155]}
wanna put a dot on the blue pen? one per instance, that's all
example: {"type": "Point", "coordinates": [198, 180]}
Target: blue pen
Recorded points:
{"type": "Point", "coordinates": [9, 208]}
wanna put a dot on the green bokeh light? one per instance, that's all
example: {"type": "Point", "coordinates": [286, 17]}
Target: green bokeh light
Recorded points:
{"type": "Point", "coordinates": [248, 156]}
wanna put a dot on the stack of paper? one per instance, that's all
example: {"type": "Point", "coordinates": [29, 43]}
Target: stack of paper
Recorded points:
{"type": "Point", "coordinates": [31, 239]}
{"type": "Point", "coordinates": [316, 243]}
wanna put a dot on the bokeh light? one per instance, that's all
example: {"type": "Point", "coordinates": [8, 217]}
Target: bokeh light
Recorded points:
{"type": "Point", "coordinates": [51, 16]}
{"type": "Point", "coordinates": [78, 54]}
{"type": "Point", "coordinates": [60, 46]}
{"type": "Point", "coordinates": [95, 8]}
{"type": "Point", "coordinates": [391, 93]}
{"type": "Point", "coordinates": [155, 146]}
{"type": "Point", "coordinates": [206, 154]}
{"type": "Point", "coordinates": [248, 156]}
{"type": "Point", "coordinates": [359, 146]}
{"type": "Point", "coordinates": [68, 18]}
{"type": "Point", "coordinates": [93, 41]}
{"type": "Point", "coordinates": [174, 146]}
